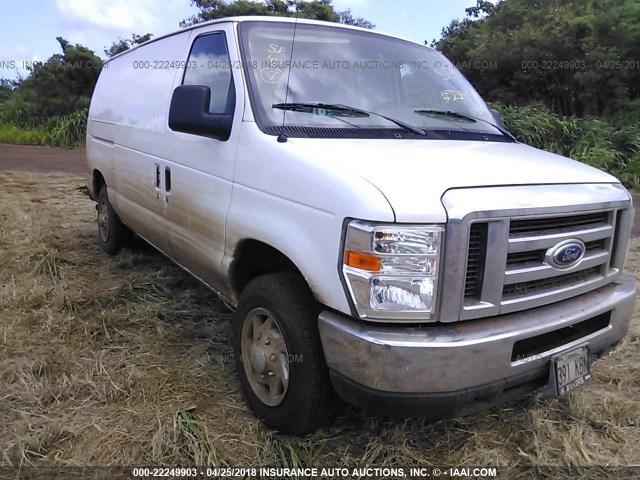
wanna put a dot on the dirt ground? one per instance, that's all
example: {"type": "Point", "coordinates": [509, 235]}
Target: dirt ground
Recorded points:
{"type": "Point", "coordinates": [42, 159]}
{"type": "Point", "coordinates": [126, 360]}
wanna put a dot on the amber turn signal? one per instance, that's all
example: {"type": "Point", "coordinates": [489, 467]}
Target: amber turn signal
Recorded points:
{"type": "Point", "coordinates": [362, 261]}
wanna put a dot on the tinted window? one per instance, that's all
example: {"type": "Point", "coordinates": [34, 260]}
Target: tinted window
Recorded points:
{"type": "Point", "coordinates": [209, 65]}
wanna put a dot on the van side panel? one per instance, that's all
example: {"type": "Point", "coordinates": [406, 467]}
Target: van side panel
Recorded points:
{"type": "Point", "coordinates": [129, 116]}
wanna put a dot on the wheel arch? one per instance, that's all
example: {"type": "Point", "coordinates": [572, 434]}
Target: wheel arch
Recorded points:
{"type": "Point", "coordinates": [97, 181]}
{"type": "Point", "coordinates": [253, 258]}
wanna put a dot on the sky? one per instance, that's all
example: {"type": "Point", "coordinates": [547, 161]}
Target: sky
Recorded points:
{"type": "Point", "coordinates": [29, 28]}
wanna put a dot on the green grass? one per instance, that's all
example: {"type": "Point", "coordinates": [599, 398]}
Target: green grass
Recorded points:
{"type": "Point", "coordinates": [196, 437]}
{"type": "Point", "coordinates": [19, 136]}
{"type": "Point", "coordinates": [612, 147]}
{"type": "Point", "coordinates": [49, 263]}
{"type": "Point", "coordinates": [68, 131]}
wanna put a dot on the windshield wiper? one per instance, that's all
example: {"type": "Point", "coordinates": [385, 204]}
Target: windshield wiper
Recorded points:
{"type": "Point", "coordinates": [343, 110]}
{"type": "Point", "coordinates": [450, 113]}
{"type": "Point", "coordinates": [447, 113]}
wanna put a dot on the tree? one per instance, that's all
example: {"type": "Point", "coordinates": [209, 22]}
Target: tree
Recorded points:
{"type": "Point", "coordinates": [313, 9]}
{"type": "Point", "coordinates": [62, 84]}
{"type": "Point", "coordinates": [483, 7]}
{"type": "Point", "coordinates": [578, 57]}
{"type": "Point", "coordinates": [6, 89]}
{"type": "Point", "coordinates": [124, 44]}
{"type": "Point", "coordinates": [348, 19]}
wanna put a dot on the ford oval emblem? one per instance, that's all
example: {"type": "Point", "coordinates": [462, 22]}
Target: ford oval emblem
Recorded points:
{"type": "Point", "coordinates": [566, 254]}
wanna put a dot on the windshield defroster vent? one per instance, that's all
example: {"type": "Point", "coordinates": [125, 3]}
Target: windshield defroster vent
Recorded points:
{"type": "Point", "coordinates": [300, 131]}
{"type": "Point", "coordinates": [303, 131]}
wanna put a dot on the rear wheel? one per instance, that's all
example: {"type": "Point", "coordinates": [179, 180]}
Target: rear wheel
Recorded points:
{"type": "Point", "coordinates": [279, 357]}
{"type": "Point", "coordinates": [112, 233]}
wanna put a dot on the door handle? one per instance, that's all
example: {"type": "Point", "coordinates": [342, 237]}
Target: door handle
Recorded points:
{"type": "Point", "coordinates": [157, 175]}
{"type": "Point", "coordinates": [167, 179]}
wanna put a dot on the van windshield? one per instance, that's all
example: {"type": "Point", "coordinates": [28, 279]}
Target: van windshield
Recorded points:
{"type": "Point", "coordinates": [336, 78]}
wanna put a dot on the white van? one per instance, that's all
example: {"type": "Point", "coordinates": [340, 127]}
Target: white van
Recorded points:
{"type": "Point", "coordinates": [382, 238]}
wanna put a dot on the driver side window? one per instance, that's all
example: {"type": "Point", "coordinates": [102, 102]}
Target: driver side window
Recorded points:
{"type": "Point", "coordinates": [209, 65]}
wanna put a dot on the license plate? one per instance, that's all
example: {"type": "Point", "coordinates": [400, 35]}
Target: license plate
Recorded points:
{"type": "Point", "coordinates": [571, 369]}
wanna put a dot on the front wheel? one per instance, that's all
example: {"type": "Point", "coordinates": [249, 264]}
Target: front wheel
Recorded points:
{"type": "Point", "coordinates": [279, 357]}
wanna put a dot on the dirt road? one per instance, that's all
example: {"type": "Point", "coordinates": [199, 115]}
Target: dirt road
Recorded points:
{"type": "Point", "coordinates": [42, 159]}
{"type": "Point", "coordinates": [50, 159]}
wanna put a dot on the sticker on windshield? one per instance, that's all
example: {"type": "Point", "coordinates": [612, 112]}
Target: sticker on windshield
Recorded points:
{"type": "Point", "coordinates": [272, 74]}
{"type": "Point", "coordinates": [453, 95]}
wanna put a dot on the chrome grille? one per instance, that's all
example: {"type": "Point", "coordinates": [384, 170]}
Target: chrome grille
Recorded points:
{"type": "Point", "coordinates": [475, 260]}
{"type": "Point", "coordinates": [546, 284]}
{"type": "Point", "coordinates": [537, 256]}
{"type": "Point", "coordinates": [533, 282]}
{"type": "Point", "coordinates": [497, 238]}
{"type": "Point", "coordinates": [525, 257]}
{"type": "Point", "coordinates": [526, 280]}
{"type": "Point", "coordinates": [538, 226]}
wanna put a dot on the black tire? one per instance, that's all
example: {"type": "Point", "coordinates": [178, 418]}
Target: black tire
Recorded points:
{"type": "Point", "coordinates": [112, 233]}
{"type": "Point", "coordinates": [309, 401]}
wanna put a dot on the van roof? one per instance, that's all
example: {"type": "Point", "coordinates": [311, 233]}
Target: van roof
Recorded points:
{"type": "Point", "coordinates": [257, 18]}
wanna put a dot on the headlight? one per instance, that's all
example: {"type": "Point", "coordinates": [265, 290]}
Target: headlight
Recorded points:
{"type": "Point", "coordinates": [392, 270]}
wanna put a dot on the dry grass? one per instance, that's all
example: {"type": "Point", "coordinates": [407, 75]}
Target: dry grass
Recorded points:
{"type": "Point", "coordinates": [124, 360]}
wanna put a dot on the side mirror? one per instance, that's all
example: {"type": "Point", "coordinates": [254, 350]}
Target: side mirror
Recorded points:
{"type": "Point", "coordinates": [497, 118]}
{"type": "Point", "coordinates": [189, 113]}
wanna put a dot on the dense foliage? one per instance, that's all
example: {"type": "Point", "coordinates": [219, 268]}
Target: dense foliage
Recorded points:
{"type": "Point", "coordinates": [61, 85]}
{"type": "Point", "coordinates": [612, 147]}
{"type": "Point", "coordinates": [66, 131]}
{"type": "Point", "coordinates": [124, 44]}
{"type": "Point", "coordinates": [577, 57]}
{"type": "Point", "coordinates": [315, 10]}
{"type": "Point", "coordinates": [49, 107]}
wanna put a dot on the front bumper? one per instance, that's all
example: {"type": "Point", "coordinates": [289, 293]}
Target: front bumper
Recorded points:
{"type": "Point", "coordinates": [441, 370]}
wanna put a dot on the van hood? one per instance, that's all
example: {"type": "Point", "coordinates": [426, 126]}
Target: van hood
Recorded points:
{"type": "Point", "coordinates": [414, 174]}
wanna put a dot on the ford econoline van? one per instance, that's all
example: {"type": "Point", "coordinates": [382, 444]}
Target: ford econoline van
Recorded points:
{"type": "Point", "coordinates": [382, 239]}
